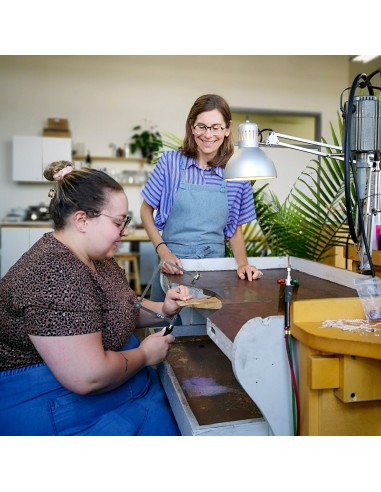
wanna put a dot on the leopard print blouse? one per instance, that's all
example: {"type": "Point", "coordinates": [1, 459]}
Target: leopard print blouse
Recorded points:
{"type": "Point", "coordinates": [50, 292]}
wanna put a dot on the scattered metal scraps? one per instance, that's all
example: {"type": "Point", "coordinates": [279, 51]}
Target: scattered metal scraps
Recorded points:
{"type": "Point", "coordinates": [352, 325]}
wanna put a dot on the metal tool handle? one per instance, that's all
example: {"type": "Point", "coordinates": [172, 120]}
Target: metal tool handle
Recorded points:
{"type": "Point", "coordinates": [168, 330]}
{"type": "Point", "coordinates": [139, 305]}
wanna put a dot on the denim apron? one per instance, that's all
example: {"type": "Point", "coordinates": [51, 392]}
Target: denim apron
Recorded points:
{"type": "Point", "coordinates": [196, 223]}
{"type": "Point", "coordinates": [34, 403]}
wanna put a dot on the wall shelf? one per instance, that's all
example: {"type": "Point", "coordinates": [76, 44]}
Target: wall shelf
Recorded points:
{"type": "Point", "coordinates": [138, 160]}
{"type": "Point", "coordinates": [130, 172]}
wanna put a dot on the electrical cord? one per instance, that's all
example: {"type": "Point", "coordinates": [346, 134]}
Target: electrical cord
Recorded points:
{"type": "Point", "coordinates": [295, 391]}
{"type": "Point", "coordinates": [288, 289]}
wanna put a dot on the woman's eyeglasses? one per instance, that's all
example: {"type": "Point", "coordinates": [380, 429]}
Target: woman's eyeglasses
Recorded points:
{"type": "Point", "coordinates": [215, 130]}
{"type": "Point", "coordinates": [121, 223]}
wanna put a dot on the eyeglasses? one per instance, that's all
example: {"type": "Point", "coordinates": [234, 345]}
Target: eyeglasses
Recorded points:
{"type": "Point", "coordinates": [215, 130]}
{"type": "Point", "coordinates": [121, 223]}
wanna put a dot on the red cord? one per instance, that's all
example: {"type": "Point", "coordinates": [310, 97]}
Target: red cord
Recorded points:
{"type": "Point", "coordinates": [294, 383]}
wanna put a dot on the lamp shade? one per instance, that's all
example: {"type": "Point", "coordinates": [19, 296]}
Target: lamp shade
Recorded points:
{"type": "Point", "coordinates": [249, 162]}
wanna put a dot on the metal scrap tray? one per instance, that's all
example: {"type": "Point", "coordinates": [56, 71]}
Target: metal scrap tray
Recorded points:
{"type": "Point", "coordinates": [204, 393]}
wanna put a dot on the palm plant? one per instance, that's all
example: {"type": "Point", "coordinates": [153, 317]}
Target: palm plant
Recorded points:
{"type": "Point", "coordinates": [171, 142]}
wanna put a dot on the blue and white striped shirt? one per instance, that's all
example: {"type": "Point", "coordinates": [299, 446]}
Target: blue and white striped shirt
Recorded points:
{"type": "Point", "coordinates": [160, 190]}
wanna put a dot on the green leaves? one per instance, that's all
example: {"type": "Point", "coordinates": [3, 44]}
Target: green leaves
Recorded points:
{"type": "Point", "coordinates": [149, 142]}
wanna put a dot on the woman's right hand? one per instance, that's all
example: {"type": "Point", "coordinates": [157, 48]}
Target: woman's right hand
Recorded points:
{"type": "Point", "coordinates": [167, 255]}
{"type": "Point", "coordinates": [156, 347]}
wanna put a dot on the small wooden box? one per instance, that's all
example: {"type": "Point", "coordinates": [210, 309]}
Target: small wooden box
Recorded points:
{"type": "Point", "coordinates": [57, 127]}
{"type": "Point", "coordinates": [58, 124]}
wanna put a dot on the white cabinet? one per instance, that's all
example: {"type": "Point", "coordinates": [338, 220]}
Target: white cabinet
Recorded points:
{"type": "Point", "coordinates": [15, 241]}
{"type": "Point", "coordinates": [32, 154]}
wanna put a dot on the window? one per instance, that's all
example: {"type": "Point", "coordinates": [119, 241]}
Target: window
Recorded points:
{"type": "Point", "coordinates": [303, 125]}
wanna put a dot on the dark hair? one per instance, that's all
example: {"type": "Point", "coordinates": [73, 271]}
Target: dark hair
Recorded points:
{"type": "Point", "coordinates": [79, 189]}
{"type": "Point", "coordinates": [208, 102]}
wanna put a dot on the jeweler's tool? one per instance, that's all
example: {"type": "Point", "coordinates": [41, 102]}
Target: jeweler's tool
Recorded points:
{"type": "Point", "coordinates": [139, 304]}
{"type": "Point", "coordinates": [171, 321]}
{"type": "Point", "coordinates": [289, 287]}
{"type": "Point", "coordinates": [195, 276]}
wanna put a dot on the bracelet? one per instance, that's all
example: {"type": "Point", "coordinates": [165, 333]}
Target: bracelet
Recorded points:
{"type": "Point", "coordinates": [159, 245]}
{"type": "Point", "coordinates": [125, 358]}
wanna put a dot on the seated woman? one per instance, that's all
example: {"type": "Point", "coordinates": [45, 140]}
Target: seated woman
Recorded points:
{"type": "Point", "coordinates": [70, 362]}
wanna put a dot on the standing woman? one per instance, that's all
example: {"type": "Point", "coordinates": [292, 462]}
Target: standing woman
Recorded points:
{"type": "Point", "coordinates": [70, 362]}
{"type": "Point", "coordinates": [196, 210]}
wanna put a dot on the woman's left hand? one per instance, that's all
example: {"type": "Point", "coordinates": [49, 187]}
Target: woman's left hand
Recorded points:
{"type": "Point", "coordinates": [179, 293]}
{"type": "Point", "coordinates": [250, 272]}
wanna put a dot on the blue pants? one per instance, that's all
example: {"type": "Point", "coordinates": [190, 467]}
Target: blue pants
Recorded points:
{"type": "Point", "coordinates": [34, 403]}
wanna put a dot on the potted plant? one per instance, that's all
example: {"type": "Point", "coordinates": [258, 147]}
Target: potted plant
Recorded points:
{"type": "Point", "coordinates": [148, 141]}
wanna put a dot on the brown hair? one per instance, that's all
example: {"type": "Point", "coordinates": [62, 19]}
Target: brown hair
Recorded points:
{"type": "Point", "coordinates": [80, 189]}
{"type": "Point", "coordinates": [208, 102]}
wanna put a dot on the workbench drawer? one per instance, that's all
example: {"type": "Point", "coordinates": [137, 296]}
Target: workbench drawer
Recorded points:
{"type": "Point", "coordinates": [204, 394]}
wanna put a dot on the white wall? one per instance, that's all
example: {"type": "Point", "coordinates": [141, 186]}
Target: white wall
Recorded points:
{"type": "Point", "coordinates": [103, 97]}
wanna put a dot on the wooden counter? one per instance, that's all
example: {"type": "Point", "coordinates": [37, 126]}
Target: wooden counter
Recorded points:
{"type": "Point", "coordinates": [137, 235]}
{"type": "Point", "coordinates": [134, 235]}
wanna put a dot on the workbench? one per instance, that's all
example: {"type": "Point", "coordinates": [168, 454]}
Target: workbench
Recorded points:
{"type": "Point", "coordinates": [339, 369]}
{"type": "Point", "coordinates": [238, 351]}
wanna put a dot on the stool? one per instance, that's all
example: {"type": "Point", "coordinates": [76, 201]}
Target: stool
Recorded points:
{"type": "Point", "coordinates": [132, 270]}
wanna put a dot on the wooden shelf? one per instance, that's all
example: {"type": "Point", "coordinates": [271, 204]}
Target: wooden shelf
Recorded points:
{"type": "Point", "coordinates": [138, 160]}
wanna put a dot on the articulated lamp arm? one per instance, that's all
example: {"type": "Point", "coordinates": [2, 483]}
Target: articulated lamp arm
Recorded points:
{"type": "Point", "coordinates": [273, 139]}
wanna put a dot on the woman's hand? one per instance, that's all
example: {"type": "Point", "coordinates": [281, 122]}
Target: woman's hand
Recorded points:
{"type": "Point", "coordinates": [167, 255]}
{"type": "Point", "coordinates": [250, 272]}
{"type": "Point", "coordinates": [170, 306]}
{"type": "Point", "coordinates": [156, 347]}
{"type": "Point", "coordinates": [244, 270]}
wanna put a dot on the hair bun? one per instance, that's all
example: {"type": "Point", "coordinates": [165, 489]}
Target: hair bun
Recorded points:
{"type": "Point", "coordinates": [57, 170]}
